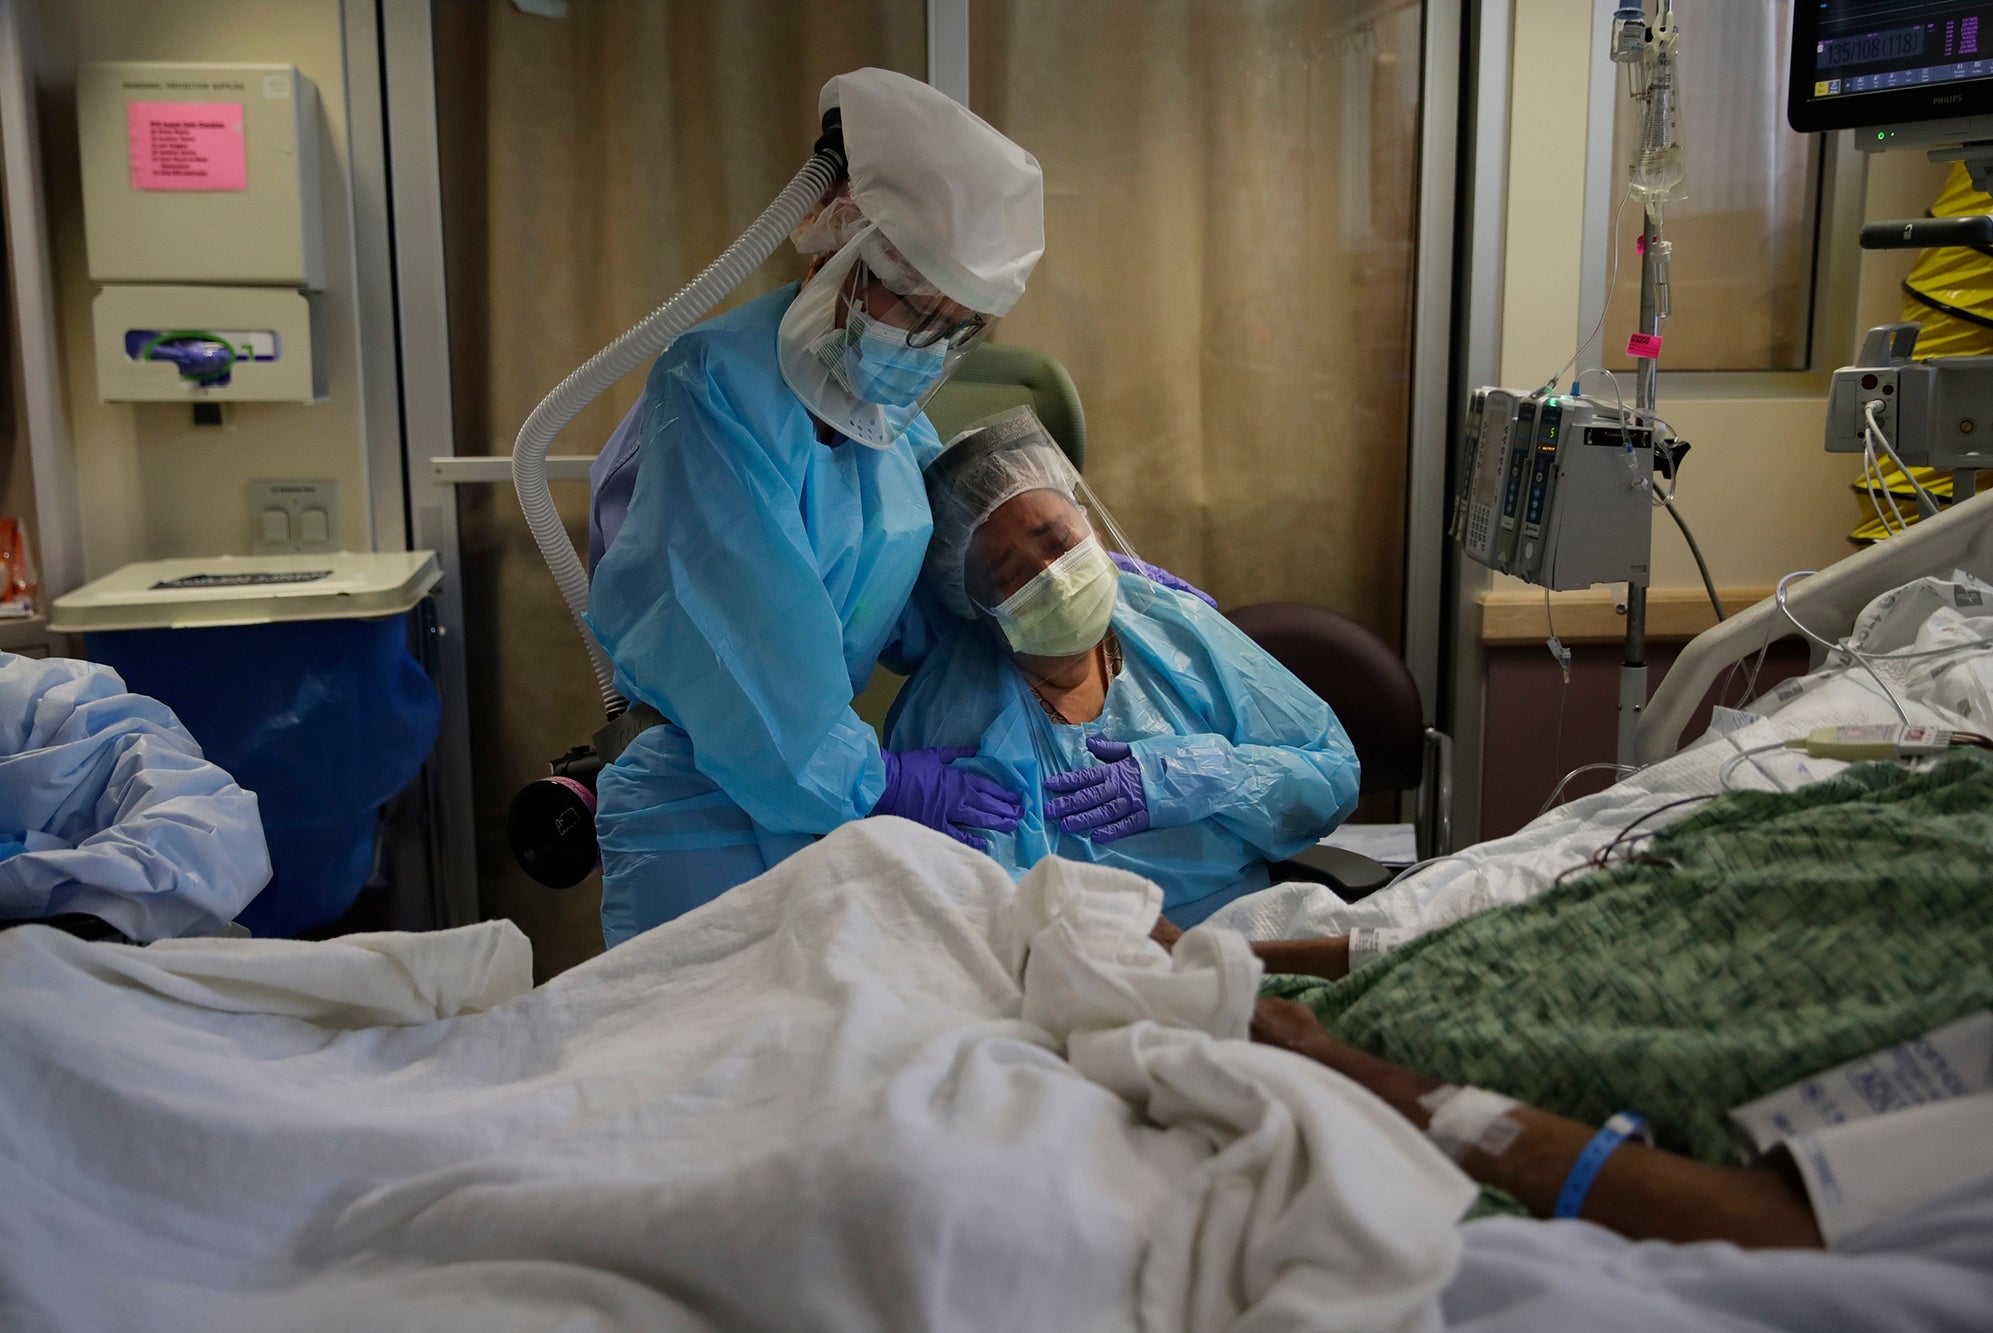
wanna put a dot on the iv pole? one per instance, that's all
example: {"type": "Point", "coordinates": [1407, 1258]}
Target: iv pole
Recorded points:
{"type": "Point", "coordinates": [1652, 54]}
{"type": "Point", "coordinates": [1633, 663]}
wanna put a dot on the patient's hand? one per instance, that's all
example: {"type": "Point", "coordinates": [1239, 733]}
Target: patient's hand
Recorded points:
{"type": "Point", "coordinates": [1286, 1024]}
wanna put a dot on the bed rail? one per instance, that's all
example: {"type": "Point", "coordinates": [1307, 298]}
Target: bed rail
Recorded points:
{"type": "Point", "coordinates": [1960, 538]}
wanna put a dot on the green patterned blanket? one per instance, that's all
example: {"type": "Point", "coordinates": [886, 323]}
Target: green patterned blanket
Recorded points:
{"type": "Point", "coordinates": [1764, 938]}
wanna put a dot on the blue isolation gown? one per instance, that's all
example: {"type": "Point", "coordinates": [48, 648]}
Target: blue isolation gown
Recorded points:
{"type": "Point", "coordinates": [753, 583]}
{"type": "Point", "coordinates": [107, 807]}
{"type": "Point", "coordinates": [1241, 763]}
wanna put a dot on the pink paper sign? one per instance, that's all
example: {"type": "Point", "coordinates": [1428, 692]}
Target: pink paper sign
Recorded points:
{"type": "Point", "coordinates": [1646, 346]}
{"type": "Point", "coordinates": [187, 146]}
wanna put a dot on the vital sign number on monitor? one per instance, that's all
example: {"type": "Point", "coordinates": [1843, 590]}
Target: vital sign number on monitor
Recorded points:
{"type": "Point", "coordinates": [1871, 63]}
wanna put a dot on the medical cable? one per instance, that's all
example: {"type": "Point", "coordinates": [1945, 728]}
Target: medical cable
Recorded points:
{"type": "Point", "coordinates": [1860, 744]}
{"type": "Point", "coordinates": [638, 345]}
{"type": "Point", "coordinates": [1756, 673]}
{"type": "Point", "coordinates": [1600, 858]}
{"type": "Point", "coordinates": [1875, 742]}
{"type": "Point", "coordinates": [1563, 656]}
{"type": "Point", "coordinates": [1872, 467]}
{"type": "Point", "coordinates": [1619, 771]}
{"type": "Point", "coordinates": [1666, 500]}
{"type": "Point", "coordinates": [1611, 282]}
{"type": "Point", "coordinates": [1927, 504]}
{"type": "Point", "coordinates": [1605, 852]}
{"type": "Point", "coordinates": [1864, 659]}
{"type": "Point", "coordinates": [1731, 765]}
{"type": "Point", "coordinates": [1426, 864]}
{"type": "Point", "coordinates": [1779, 596]}
{"type": "Point", "coordinates": [1553, 643]}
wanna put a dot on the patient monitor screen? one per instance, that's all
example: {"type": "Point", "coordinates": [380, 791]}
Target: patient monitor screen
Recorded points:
{"type": "Point", "coordinates": [1877, 62]}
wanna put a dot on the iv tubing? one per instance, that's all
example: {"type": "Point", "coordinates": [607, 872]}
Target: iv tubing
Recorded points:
{"type": "Point", "coordinates": [639, 344]}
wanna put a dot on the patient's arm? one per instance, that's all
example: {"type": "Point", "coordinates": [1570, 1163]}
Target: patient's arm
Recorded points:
{"type": "Point", "coordinates": [1643, 1193]}
{"type": "Point", "coordinates": [1327, 958]}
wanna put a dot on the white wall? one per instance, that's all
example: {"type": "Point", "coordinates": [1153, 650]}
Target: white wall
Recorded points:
{"type": "Point", "coordinates": [153, 485]}
{"type": "Point", "coordinates": [1763, 496]}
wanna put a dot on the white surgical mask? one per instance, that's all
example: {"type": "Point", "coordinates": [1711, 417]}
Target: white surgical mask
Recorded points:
{"type": "Point", "coordinates": [1065, 608]}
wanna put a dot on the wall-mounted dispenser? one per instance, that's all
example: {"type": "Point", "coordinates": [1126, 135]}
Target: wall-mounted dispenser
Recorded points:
{"type": "Point", "coordinates": [201, 217]}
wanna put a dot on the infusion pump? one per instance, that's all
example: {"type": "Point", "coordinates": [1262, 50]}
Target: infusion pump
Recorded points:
{"type": "Point", "coordinates": [1555, 489]}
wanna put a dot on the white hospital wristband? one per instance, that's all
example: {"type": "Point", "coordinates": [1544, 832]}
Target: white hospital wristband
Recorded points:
{"type": "Point", "coordinates": [1367, 944]}
{"type": "Point", "coordinates": [1467, 1118]}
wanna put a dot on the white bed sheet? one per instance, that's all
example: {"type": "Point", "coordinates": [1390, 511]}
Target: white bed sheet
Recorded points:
{"type": "Point", "coordinates": [880, 1087]}
{"type": "Point", "coordinates": [1953, 691]}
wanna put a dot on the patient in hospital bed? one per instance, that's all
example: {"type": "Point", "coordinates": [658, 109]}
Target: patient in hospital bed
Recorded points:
{"type": "Point", "coordinates": [1768, 937]}
{"type": "Point", "coordinates": [1144, 730]}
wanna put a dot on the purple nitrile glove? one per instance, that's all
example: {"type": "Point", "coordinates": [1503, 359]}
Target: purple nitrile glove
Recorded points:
{"type": "Point", "coordinates": [1104, 802]}
{"type": "Point", "coordinates": [1128, 564]}
{"type": "Point", "coordinates": [922, 787]}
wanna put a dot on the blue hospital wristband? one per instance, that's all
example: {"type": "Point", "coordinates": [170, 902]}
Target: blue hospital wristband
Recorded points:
{"type": "Point", "coordinates": [1586, 1169]}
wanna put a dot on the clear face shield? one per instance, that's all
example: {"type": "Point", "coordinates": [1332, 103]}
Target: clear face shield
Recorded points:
{"type": "Point", "coordinates": [1022, 543]}
{"type": "Point", "coordinates": [868, 340]}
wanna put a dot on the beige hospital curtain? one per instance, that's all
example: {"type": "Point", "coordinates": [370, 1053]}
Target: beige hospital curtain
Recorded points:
{"type": "Point", "coordinates": [591, 165]}
{"type": "Point", "coordinates": [1230, 192]}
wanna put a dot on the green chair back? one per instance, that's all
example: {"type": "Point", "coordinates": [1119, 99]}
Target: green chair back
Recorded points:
{"type": "Point", "coordinates": [996, 377]}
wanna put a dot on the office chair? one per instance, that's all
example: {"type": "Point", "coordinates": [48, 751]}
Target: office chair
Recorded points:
{"type": "Point", "coordinates": [1375, 698]}
{"type": "Point", "coordinates": [996, 377]}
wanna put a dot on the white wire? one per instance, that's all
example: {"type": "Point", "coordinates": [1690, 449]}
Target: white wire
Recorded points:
{"type": "Point", "coordinates": [1898, 655]}
{"type": "Point", "coordinates": [1620, 770]}
{"type": "Point", "coordinates": [1871, 465]}
{"type": "Point", "coordinates": [1875, 432]}
{"type": "Point", "coordinates": [1429, 862]}
{"type": "Point", "coordinates": [1859, 657]}
{"type": "Point", "coordinates": [1611, 282]}
{"type": "Point", "coordinates": [1731, 764]}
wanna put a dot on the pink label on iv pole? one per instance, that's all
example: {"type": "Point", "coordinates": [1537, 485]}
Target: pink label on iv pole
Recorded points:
{"type": "Point", "coordinates": [1640, 244]}
{"type": "Point", "coordinates": [187, 146]}
{"type": "Point", "coordinates": [1646, 346]}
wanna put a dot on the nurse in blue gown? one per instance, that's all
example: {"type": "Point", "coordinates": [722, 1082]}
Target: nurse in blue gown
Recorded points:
{"type": "Point", "coordinates": [759, 519]}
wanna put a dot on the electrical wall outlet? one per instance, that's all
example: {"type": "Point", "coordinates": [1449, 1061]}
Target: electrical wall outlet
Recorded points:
{"type": "Point", "coordinates": [293, 516]}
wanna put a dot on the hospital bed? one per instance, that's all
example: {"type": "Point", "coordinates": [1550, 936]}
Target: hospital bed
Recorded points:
{"type": "Point", "coordinates": [879, 1087]}
{"type": "Point", "coordinates": [1827, 603]}
{"type": "Point", "coordinates": [1836, 693]}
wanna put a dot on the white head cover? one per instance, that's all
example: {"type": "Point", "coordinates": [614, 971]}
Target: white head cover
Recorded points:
{"type": "Point", "coordinates": [937, 204]}
{"type": "Point", "coordinates": [965, 205]}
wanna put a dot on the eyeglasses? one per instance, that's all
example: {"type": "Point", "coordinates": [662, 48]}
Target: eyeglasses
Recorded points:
{"type": "Point", "coordinates": [931, 326]}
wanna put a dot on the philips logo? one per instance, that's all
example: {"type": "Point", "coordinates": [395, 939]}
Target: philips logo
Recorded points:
{"type": "Point", "coordinates": [1947, 101]}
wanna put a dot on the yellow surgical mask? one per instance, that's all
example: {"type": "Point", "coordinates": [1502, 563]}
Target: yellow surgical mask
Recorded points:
{"type": "Point", "coordinates": [1065, 608]}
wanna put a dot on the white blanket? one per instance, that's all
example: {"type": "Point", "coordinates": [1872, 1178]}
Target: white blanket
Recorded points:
{"type": "Point", "coordinates": [879, 1087]}
{"type": "Point", "coordinates": [1951, 690]}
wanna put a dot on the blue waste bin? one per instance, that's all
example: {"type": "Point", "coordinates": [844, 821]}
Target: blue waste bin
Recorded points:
{"type": "Point", "coordinates": [294, 672]}
{"type": "Point", "coordinates": [325, 720]}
